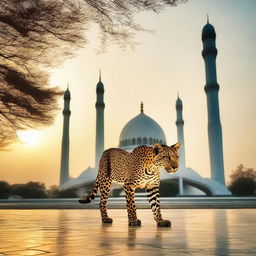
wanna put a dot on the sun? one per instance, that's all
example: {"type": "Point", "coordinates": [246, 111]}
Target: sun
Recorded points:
{"type": "Point", "coordinates": [29, 138]}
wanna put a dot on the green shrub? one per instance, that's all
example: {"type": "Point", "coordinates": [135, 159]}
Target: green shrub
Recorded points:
{"type": "Point", "coordinates": [5, 190]}
{"type": "Point", "coordinates": [243, 186]}
{"type": "Point", "coordinates": [54, 192]}
{"type": "Point", "coordinates": [29, 190]}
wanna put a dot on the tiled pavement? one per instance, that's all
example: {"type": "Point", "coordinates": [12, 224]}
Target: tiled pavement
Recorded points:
{"type": "Point", "coordinates": [80, 232]}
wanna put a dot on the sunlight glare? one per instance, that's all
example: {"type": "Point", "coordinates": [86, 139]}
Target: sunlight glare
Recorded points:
{"type": "Point", "coordinates": [29, 138]}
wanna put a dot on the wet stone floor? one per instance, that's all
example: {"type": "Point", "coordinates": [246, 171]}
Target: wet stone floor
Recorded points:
{"type": "Point", "coordinates": [80, 232]}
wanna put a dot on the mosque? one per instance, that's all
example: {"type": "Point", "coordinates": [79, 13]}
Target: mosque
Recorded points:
{"type": "Point", "coordinates": [143, 130]}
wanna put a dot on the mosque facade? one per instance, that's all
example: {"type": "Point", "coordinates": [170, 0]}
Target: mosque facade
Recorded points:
{"type": "Point", "coordinates": [143, 130]}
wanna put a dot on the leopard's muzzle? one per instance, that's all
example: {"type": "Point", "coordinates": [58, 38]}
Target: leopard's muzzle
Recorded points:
{"type": "Point", "coordinates": [171, 169]}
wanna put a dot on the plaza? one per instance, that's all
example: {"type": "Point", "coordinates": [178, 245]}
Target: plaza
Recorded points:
{"type": "Point", "coordinates": [80, 232]}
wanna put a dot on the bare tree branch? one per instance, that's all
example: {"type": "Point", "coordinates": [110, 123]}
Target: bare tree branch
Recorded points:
{"type": "Point", "coordinates": [36, 35]}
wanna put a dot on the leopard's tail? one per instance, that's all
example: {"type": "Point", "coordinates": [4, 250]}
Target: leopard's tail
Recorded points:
{"type": "Point", "coordinates": [88, 199]}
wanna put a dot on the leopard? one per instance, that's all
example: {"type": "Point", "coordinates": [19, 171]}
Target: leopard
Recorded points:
{"type": "Point", "coordinates": [137, 169]}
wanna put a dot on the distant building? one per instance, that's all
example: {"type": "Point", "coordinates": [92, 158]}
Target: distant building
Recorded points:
{"type": "Point", "coordinates": [143, 130]}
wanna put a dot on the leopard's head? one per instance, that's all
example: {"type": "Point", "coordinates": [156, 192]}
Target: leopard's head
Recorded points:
{"type": "Point", "coordinates": [166, 157]}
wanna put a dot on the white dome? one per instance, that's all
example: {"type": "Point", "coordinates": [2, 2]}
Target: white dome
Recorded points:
{"type": "Point", "coordinates": [141, 130]}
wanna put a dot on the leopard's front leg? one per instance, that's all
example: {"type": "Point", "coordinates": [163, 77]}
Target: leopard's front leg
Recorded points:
{"type": "Point", "coordinates": [131, 208]}
{"type": "Point", "coordinates": [154, 201]}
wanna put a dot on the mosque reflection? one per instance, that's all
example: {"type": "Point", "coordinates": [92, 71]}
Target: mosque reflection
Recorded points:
{"type": "Point", "coordinates": [200, 230]}
{"type": "Point", "coordinates": [221, 233]}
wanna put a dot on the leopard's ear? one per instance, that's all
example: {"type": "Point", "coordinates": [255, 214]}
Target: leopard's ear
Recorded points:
{"type": "Point", "coordinates": [157, 147]}
{"type": "Point", "coordinates": [176, 146]}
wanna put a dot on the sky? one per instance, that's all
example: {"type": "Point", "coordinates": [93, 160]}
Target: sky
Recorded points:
{"type": "Point", "coordinates": [162, 64]}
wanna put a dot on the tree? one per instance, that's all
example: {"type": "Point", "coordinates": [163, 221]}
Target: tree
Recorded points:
{"type": "Point", "coordinates": [29, 190]}
{"type": "Point", "coordinates": [5, 190]}
{"type": "Point", "coordinates": [37, 35]}
{"type": "Point", "coordinates": [243, 186]}
{"type": "Point", "coordinates": [243, 181]}
{"type": "Point", "coordinates": [241, 171]}
{"type": "Point", "coordinates": [54, 192]}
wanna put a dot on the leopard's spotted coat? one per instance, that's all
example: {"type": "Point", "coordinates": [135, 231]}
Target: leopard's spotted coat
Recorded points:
{"type": "Point", "coordinates": [138, 169]}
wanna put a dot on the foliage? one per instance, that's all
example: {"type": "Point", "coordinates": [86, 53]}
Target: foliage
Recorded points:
{"type": "Point", "coordinates": [241, 171]}
{"type": "Point", "coordinates": [37, 35]}
{"type": "Point", "coordinates": [29, 190]}
{"type": "Point", "coordinates": [5, 190]}
{"type": "Point", "coordinates": [54, 192]}
{"type": "Point", "coordinates": [34, 190]}
{"type": "Point", "coordinates": [243, 181]}
{"type": "Point", "coordinates": [243, 186]}
{"type": "Point", "coordinates": [169, 188]}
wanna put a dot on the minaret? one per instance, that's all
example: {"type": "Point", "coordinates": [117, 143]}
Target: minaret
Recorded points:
{"type": "Point", "coordinates": [64, 167]}
{"type": "Point", "coordinates": [100, 105]}
{"type": "Point", "coordinates": [211, 88]}
{"type": "Point", "coordinates": [180, 133]}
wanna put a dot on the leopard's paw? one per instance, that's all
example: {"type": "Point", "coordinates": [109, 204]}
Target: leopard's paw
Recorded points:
{"type": "Point", "coordinates": [134, 222]}
{"type": "Point", "coordinates": [164, 223]}
{"type": "Point", "coordinates": [107, 220]}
